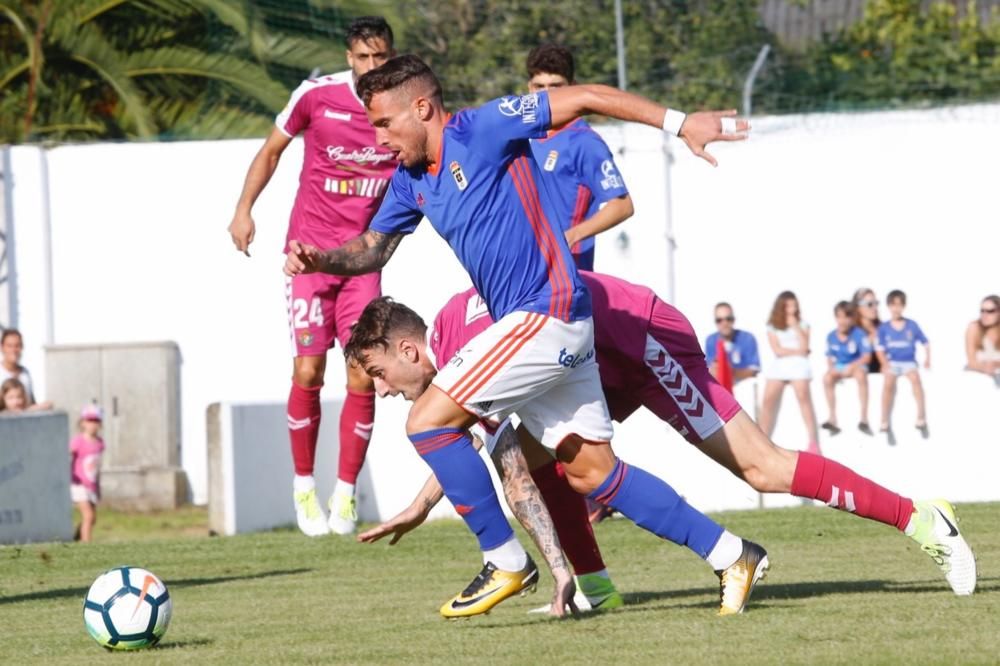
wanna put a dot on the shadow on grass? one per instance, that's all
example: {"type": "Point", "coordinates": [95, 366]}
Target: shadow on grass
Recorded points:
{"type": "Point", "coordinates": [765, 596]}
{"type": "Point", "coordinates": [173, 584]}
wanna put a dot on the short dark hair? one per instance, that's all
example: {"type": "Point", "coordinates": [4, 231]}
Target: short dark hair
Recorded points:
{"type": "Point", "coordinates": [723, 304]}
{"type": "Point", "coordinates": [367, 28]}
{"type": "Point", "coordinates": [381, 320]}
{"type": "Point", "coordinates": [846, 307]}
{"type": "Point", "coordinates": [397, 72]}
{"type": "Point", "coordinates": [8, 332]}
{"type": "Point", "coordinates": [551, 59]}
{"type": "Point", "coordinates": [896, 294]}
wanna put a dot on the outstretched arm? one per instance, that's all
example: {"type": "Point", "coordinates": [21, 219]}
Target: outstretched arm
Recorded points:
{"type": "Point", "coordinates": [697, 130]}
{"type": "Point", "coordinates": [366, 253]}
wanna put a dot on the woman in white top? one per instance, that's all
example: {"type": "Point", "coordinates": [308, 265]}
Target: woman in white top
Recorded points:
{"type": "Point", "coordinates": [982, 339]}
{"type": "Point", "coordinates": [789, 339]}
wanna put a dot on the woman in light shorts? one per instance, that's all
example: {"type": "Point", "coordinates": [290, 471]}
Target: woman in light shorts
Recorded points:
{"type": "Point", "coordinates": [788, 336]}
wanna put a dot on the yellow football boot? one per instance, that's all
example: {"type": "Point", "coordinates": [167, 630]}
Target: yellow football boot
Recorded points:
{"type": "Point", "coordinates": [738, 580]}
{"type": "Point", "coordinates": [491, 587]}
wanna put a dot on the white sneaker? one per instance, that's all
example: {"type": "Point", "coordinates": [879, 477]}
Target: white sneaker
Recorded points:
{"type": "Point", "coordinates": [936, 530]}
{"type": "Point", "coordinates": [580, 599]}
{"type": "Point", "coordinates": [343, 513]}
{"type": "Point", "coordinates": [308, 513]}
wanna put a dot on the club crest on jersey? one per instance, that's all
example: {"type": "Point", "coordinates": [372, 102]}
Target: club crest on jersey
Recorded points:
{"type": "Point", "coordinates": [458, 175]}
{"type": "Point", "coordinates": [611, 178]}
{"type": "Point", "coordinates": [420, 200]}
{"type": "Point", "coordinates": [306, 338]}
{"type": "Point", "coordinates": [550, 160]}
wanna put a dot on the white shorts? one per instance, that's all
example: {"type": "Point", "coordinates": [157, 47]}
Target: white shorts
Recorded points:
{"type": "Point", "coordinates": [80, 493]}
{"type": "Point", "coordinates": [541, 368]}
{"type": "Point", "coordinates": [900, 368]}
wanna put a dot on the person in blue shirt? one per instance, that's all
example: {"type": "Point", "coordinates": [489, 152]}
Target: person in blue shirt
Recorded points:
{"type": "Point", "coordinates": [848, 352]}
{"type": "Point", "coordinates": [897, 350]}
{"type": "Point", "coordinates": [740, 346]}
{"type": "Point", "coordinates": [471, 174]}
{"type": "Point", "coordinates": [589, 193]}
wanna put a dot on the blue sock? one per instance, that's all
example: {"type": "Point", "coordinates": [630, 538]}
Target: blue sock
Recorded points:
{"type": "Point", "coordinates": [466, 482]}
{"type": "Point", "coordinates": [655, 506]}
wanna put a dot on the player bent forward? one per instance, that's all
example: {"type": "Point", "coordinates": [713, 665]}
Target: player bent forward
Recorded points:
{"type": "Point", "coordinates": [391, 342]}
{"type": "Point", "coordinates": [648, 356]}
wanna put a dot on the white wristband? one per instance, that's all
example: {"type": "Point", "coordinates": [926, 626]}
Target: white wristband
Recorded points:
{"type": "Point", "coordinates": [672, 122]}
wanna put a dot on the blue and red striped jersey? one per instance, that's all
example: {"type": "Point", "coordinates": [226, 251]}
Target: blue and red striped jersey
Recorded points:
{"type": "Point", "coordinates": [583, 173]}
{"type": "Point", "coordinates": [485, 197]}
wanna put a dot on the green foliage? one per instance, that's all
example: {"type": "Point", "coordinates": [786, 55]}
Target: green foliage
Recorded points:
{"type": "Point", "coordinates": [693, 53]}
{"type": "Point", "coordinates": [86, 69]}
{"type": "Point", "coordinates": [901, 54]}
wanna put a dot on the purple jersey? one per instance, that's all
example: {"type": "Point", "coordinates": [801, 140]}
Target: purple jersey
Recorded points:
{"type": "Point", "coordinates": [485, 197]}
{"type": "Point", "coordinates": [583, 175]}
{"type": "Point", "coordinates": [621, 318]}
{"type": "Point", "coordinates": [344, 174]}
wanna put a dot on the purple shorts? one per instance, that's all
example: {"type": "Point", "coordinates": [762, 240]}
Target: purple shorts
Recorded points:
{"type": "Point", "coordinates": [672, 380]}
{"type": "Point", "coordinates": [323, 309]}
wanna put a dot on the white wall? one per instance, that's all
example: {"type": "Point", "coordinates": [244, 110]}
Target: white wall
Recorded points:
{"type": "Point", "coordinates": [819, 204]}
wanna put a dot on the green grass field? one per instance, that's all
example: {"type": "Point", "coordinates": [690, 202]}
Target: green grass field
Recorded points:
{"type": "Point", "coordinates": [841, 590]}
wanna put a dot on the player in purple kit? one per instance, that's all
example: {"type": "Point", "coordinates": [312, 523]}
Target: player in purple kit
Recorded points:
{"type": "Point", "coordinates": [848, 353]}
{"type": "Point", "coordinates": [897, 350]}
{"type": "Point", "coordinates": [343, 179]}
{"type": "Point", "coordinates": [648, 356]}
{"type": "Point", "coordinates": [588, 192]}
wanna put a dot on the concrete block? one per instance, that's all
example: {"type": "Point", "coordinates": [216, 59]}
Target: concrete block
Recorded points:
{"type": "Point", "coordinates": [34, 478]}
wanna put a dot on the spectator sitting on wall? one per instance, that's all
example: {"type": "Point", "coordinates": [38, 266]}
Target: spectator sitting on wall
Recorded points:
{"type": "Point", "coordinates": [11, 348]}
{"type": "Point", "coordinates": [867, 318]}
{"type": "Point", "coordinates": [982, 339]}
{"type": "Point", "coordinates": [897, 350]}
{"type": "Point", "coordinates": [788, 336]}
{"type": "Point", "coordinates": [740, 346]}
{"type": "Point", "coordinates": [848, 352]}
{"type": "Point", "coordinates": [14, 398]}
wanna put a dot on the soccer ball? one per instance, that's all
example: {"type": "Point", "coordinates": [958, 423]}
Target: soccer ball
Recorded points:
{"type": "Point", "coordinates": [127, 608]}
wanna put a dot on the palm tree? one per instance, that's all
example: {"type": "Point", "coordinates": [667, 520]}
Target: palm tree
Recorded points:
{"type": "Point", "coordinates": [116, 69]}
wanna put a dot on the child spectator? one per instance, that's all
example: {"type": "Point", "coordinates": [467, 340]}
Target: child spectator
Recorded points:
{"type": "Point", "coordinates": [85, 449]}
{"type": "Point", "coordinates": [11, 348]}
{"type": "Point", "coordinates": [867, 318]}
{"type": "Point", "coordinates": [789, 339]}
{"type": "Point", "coordinates": [897, 350]}
{"type": "Point", "coordinates": [740, 346]}
{"type": "Point", "coordinates": [982, 340]}
{"type": "Point", "coordinates": [848, 353]}
{"type": "Point", "coordinates": [14, 398]}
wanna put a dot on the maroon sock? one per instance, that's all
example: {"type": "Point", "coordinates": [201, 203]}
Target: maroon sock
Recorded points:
{"type": "Point", "coordinates": [303, 426]}
{"type": "Point", "coordinates": [568, 509]}
{"type": "Point", "coordinates": [356, 421]}
{"type": "Point", "coordinates": [837, 486]}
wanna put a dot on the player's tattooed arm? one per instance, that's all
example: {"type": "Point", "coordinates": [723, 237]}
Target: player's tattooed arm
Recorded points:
{"type": "Point", "coordinates": [525, 500]}
{"type": "Point", "coordinates": [366, 253]}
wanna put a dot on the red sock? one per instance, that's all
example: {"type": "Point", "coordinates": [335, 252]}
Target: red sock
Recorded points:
{"type": "Point", "coordinates": [830, 482]}
{"type": "Point", "coordinates": [303, 426]}
{"type": "Point", "coordinates": [356, 421]}
{"type": "Point", "coordinates": [568, 509]}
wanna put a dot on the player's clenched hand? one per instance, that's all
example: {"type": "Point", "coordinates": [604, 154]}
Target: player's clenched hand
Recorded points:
{"type": "Point", "coordinates": [704, 127]}
{"type": "Point", "coordinates": [407, 520]}
{"type": "Point", "coordinates": [242, 230]}
{"type": "Point", "coordinates": [302, 258]}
